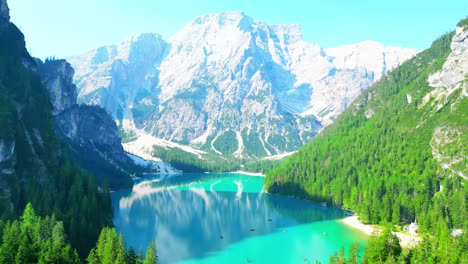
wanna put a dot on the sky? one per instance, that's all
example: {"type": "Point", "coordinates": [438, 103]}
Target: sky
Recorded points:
{"type": "Point", "coordinates": [60, 28]}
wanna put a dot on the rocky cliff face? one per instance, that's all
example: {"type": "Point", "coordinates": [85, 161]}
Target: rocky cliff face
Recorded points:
{"type": "Point", "coordinates": [57, 75]}
{"type": "Point", "coordinates": [27, 143]}
{"type": "Point", "coordinates": [89, 131]}
{"type": "Point", "coordinates": [451, 79]}
{"type": "Point", "coordinates": [230, 85]}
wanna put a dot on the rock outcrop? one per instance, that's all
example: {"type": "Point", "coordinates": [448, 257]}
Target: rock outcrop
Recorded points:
{"type": "Point", "coordinates": [451, 79]}
{"type": "Point", "coordinates": [57, 76]}
{"type": "Point", "coordinates": [89, 131]}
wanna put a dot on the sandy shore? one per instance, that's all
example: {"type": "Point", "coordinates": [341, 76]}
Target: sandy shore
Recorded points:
{"type": "Point", "coordinates": [354, 222]}
{"type": "Point", "coordinates": [406, 240]}
{"type": "Point", "coordinates": [258, 174]}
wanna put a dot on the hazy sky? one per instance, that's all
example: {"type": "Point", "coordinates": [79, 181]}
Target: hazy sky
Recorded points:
{"type": "Point", "coordinates": [65, 27]}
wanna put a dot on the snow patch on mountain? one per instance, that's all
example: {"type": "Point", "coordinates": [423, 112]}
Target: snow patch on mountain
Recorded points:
{"type": "Point", "coordinates": [154, 164]}
{"type": "Point", "coordinates": [143, 147]}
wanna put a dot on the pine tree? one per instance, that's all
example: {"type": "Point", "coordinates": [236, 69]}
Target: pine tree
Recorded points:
{"type": "Point", "coordinates": [131, 256]}
{"type": "Point", "coordinates": [93, 257]}
{"type": "Point", "coordinates": [381, 247]}
{"type": "Point", "coordinates": [151, 256]}
{"type": "Point", "coordinates": [353, 254]}
{"type": "Point", "coordinates": [139, 259]}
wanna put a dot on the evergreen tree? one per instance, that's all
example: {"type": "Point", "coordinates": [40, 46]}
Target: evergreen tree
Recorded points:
{"type": "Point", "coordinates": [131, 256]}
{"type": "Point", "coordinates": [338, 257]}
{"type": "Point", "coordinates": [377, 158]}
{"type": "Point", "coordinates": [110, 248]}
{"type": "Point", "coordinates": [140, 257]}
{"type": "Point", "coordinates": [353, 254]}
{"type": "Point", "coordinates": [151, 256]}
{"type": "Point", "coordinates": [33, 239]}
{"type": "Point", "coordinates": [382, 246]}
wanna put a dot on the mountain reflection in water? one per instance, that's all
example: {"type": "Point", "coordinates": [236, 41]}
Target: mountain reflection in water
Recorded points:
{"type": "Point", "coordinates": [196, 215]}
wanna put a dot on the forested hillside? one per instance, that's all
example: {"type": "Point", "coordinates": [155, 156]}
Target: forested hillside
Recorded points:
{"type": "Point", "coordinates": [34, 167]}
{"type": "Point", "coordinates": [379, 158]}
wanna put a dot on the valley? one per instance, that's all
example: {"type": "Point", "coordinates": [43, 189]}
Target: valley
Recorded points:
{"type": "Point", "coordinates": [234, 140]}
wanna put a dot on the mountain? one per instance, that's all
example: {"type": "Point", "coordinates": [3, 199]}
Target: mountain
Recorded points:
{"type": "Point", "coordinates": [35, 167]}
{"type": "Point", "coordinates": [399, 153]}
{"type": "Point", "coordinates": [89, 132]}
{"type": "Point", "coordinates": [229, 85]}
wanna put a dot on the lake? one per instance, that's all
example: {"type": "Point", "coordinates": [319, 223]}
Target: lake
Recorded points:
{"type": "Point", "coordinates": [226, 218]}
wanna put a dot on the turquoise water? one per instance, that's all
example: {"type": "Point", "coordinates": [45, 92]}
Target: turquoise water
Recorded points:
{"type": "Point", "coordinates": [226, 218]}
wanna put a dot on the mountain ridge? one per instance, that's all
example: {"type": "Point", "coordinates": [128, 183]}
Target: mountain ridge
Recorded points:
{"type": "Point", "coordinates": [225, 81]}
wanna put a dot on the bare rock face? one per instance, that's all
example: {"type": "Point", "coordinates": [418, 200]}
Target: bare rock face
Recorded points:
{"type": "Point", "coordinates": [57, 76]}
{"type": "Point", "coordinates": [230, 85]}
{"type": "Point", "coordinates": [453, 74]}
{"type": "Point", "coordinates": [91, 128]}
{"type": "Point", "coordinates": [88, 130]}
{"type": "Point", "coordinates": [450, 79]}
{"type": "Point", "coordinates": [460, 41]}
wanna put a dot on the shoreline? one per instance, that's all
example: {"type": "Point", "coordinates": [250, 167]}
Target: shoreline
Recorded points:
{"type": "Point", "coordinates": [406, 240]}
{"type": "Point", "coordinates": [256, 174]}
{"type": "Point", "coordinates": [354, 222]}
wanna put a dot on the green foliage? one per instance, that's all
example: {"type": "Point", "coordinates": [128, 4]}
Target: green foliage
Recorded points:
{"type": "Point", "coordinates": [189, 162]}
{"type": "Point", "coordinates": [224, 143]}
{"type": "Point", "coordinates": [142, 112]}
{"type": "Point", "coordinates": [382, 247]}
{"type": "Point", "coordinates": [255, 147]}
{"type": "Point", "coordinates": [340, 258]}
{"type": "Point", "coordinates": [110, 249]}
{"type": "Point", "coordinates": [262, 166]}
{"type": "Point", "coordinates": [34, 239]}
{"type": "Point", "coordinates": [151, 256]}
{"type": "Point", "coordinates": [381, 166]}
{"type": "Point", "coordinates": [41, 171]}
{"type": "Point", "coordinates": [377, 160]}
{"type": "Point", "coordinates": [463, 23]}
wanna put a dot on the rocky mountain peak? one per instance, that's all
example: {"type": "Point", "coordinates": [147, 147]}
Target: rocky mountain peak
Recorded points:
{"type": "Point", "coordinates": [229, 84]}
{"type": "Point", "coordinates": [370, 55]}
{"type": "Point", "coordinates": [288, 32]}
{"type": "Point", "coordinates": [139, 47]}
{"type": "Point", "coordinates": [225, 19]}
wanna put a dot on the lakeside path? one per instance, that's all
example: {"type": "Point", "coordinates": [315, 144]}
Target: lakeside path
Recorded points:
{"type": "Point", "coordinates": [406, 240]}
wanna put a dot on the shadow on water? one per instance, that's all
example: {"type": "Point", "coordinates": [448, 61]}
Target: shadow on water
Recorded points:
{"type": "Point", "coordinates": [196, 222]}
